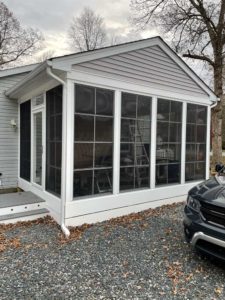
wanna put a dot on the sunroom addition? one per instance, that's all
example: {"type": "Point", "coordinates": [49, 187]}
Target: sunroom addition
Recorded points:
{"type": "Point", "coordinates": [113, 131]}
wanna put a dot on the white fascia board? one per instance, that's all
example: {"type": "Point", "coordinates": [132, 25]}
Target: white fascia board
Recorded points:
{"type": "Point", "coordinates": [17, 70]}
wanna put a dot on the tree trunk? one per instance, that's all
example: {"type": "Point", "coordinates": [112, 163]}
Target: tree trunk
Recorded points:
{"type": "Point", "coordinates": [217, 113]}
{"type": "Point", "coordinates": [216, 135]}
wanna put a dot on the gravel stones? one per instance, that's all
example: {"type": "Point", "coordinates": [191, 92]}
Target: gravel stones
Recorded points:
{"type": "Point", "coordinates": [143, 256]}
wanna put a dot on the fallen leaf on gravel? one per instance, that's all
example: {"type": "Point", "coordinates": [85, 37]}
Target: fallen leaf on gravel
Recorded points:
{"type": "Point", "coordinates": [218, 291]}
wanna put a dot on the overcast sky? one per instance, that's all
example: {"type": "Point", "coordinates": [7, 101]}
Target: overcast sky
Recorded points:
{"type": "Point", "coordinates": [53, 18]}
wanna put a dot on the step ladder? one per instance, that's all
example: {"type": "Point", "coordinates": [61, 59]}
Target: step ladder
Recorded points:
{"type": "Point", "coordinates": [140, 154]}
{"type": "Point", "coordinates": [103, 182]}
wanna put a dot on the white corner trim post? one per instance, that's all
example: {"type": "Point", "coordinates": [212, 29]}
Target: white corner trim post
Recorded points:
{"type": "Point", "coordinates": [183, 141]}
{"type": "Point", "coordinates": [116, 145]}
{"type": "Point", "coordinates": [64, 148]}
{"type": "Point", "coordinates": [208, 131]}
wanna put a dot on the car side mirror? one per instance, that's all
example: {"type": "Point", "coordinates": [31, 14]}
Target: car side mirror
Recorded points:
{"type": "Point", "coordinates": [219, 167]}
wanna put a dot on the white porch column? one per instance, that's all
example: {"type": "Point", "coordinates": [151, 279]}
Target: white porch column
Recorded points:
{"type": "Point", "coordinates": [67, 141]}
{"type": "Point", "coordinates": [183, 142]}
{"type": "Point", "coordinates": [153, 142]}
{"type": "Point", "coordinates": [207, 165]}
{"type": "Point", "coordinates": [116, 141]}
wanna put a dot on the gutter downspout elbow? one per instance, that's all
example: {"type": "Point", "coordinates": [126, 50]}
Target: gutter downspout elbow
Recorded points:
{"type": "Point", "coordinates": [64, 229]}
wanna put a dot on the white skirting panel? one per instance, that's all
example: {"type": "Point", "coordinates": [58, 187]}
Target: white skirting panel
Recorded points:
{"type": "Point", "coordinates": [53, 203]}
{"type": "Point", "coordinates": [96, 209]}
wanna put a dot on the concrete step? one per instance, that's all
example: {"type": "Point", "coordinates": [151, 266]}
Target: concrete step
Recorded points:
{"type": "Point", "coordinates": [23, 216]}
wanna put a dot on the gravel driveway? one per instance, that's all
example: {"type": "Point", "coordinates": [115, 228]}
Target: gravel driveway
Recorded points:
{"type": "Point", "coordinates": [142, 256]}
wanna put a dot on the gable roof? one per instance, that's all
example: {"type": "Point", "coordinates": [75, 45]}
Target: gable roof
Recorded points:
{"type": "Point", "coordinates": [66, 62]}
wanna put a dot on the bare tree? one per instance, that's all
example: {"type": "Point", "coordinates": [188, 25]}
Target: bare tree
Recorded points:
{"type": "Point", "coordinates": [197, 28]}
{"type": "Point", "coordinates": [15, 41]}
{"type": "Point", "coordinates": [87, 32]}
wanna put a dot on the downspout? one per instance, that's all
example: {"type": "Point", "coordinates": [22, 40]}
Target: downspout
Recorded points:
{"type": "Point", "coordinates": [65, 230]}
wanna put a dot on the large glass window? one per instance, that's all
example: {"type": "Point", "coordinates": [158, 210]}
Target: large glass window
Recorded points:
{"type": "Point", "coordinates": [25, 139]}
{"type": "Point", "coordinates": [135, 142]}
{"type": "Point", "coordinates": [195, 142]}
{"type": "Point", "coordinates": [93, 141]}
{"type": "Point", "coordinates": [54, 140]}
{"type": "Point", "coordinates": [168, 144]}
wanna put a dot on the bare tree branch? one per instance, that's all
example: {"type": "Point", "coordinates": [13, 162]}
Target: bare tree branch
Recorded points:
{"type": "Point", "coordinates": [15, 41]}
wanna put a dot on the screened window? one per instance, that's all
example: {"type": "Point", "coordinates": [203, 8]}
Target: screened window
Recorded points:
{"type": "Point", "coordinates": [195, 142]}
{"type": "Point", "coordinates": [135, 142]}
{"type": "Point", "coordinates": [25, 139]}
{"type": "Point", "coordinates": [93, 141]}
{"type": "Point", "coordinates": [168, 144]}
{"type": "Point", "coordinates": [54, 140]}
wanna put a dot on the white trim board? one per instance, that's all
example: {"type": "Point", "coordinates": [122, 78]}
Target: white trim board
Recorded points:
{"type": "Point", "coordinates": [118, 212]}
{"type": "Point", "coordinates": [96, 204]}
{"type": "Point", "coordinates": [130, 87]}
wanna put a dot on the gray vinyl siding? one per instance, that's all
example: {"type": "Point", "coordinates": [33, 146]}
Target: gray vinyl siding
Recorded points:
{"type": "Point", "coordinates": [8, 135]}
{"type": "Point", "coordinates": [149, 66]}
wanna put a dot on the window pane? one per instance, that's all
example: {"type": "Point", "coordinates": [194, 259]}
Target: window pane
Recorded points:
{"type": "Point", "coordinates": [141, 177]}
{"type": "Point", "coordinates": [168, 149]}
{"type": "Point", "coordinates": [190, 171]}
{"type": "Point", "coordinates": [25, 140]}
{"type": "Point", "coordinates": [163, 110]}
{"type": "Point", "coordinates": [190, 152]}
{"type": "Point", "coordinates": [104, 129]}
{"type": "Point", "coordinates": [103, 155]}
{"type": "Point", "coordinates": [54, 140]}
{"type": "Point", "coordinates": [201, 133]}
{"type": "Point", "coordinates": [196, 134]}
{"type": "Point", "coordinates": [104, 102]}
{"type": "Point", "coordinates": [82, 183]}
{"type": "Point", "coordinates": [144, 108]}
{"type": "Point", "coordinates": [127, 130]}
{"type": "Point", "coordinates": [174, 152]}
{"type": "Point", "coordinates": [93, 140]}
{"type": "Point", "coordinates": [58, 154]}
{"type": "Point", "coordinates": [175, 132]}
{"type": "Point", "coordinates": [127, 154]}
{"type": "Point", "coordinates": [161, 174]}
{"type": "Point", "coordinates": [83, 155]}
{"type": "Point", "coordinates": [143, 131]}
{"type": "Point", "coordinates": [142, 154]}
{"type": "Point", "coordinates": [175, 111]}
{"type": "Point", "coordinates": [103, 181]}
{"type": "Point", "coordinates": [58, 127]}
{"type": "Point", "coordinates": [126, 178]}
{"type": "Point", "coordinates": [191, 133]}
{"type": "Point", "coordinates": [162, 132]}
{"type": "Point", "coordinates": [201, 114]}
{"type": "Point", "coordinates": [84, 128]}
{"type": "Point", "coordinates": [173, 173]}
{"type": "Point", "coordinates": [191, 113]}
{"type": "Point", "coordinates": [200, 152]}
{"type": "Point", "coordinates": [85, 99]}
{"type": "Point", "coordinates": [162, 154]}
{"type": "Point", "coordinates": [129, 104]}
{"type": "Point", "coordinates": [199, 170]}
